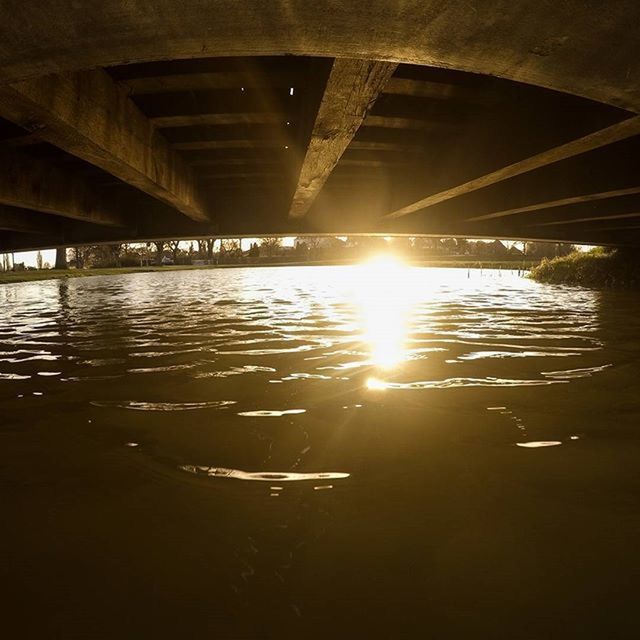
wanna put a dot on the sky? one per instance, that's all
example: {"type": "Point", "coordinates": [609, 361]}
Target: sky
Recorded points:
{"type": "Point", "coordinates": [30, 257]}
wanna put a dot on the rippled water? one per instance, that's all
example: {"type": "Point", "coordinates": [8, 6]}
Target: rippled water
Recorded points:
{"type": "Point", "coordinates": [363, 451]}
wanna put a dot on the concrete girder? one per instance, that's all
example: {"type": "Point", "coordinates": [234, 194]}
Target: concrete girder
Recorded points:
{"type": "Point", "coordinates": [352, 88]}
{"type": "Point", "coordinates": [89, 116]}
{"type": "Point", "coordinates": [39, 185]}
{"type": "Point", "coordinates": [607, 136]}
{"type": "Point", "coordinates": [552, 204]}
{"type": "Point", "coordinates": [570, 46]}
{"type": "Point", "coordinates": [432, 128]}
{"type": "Point", "coordinates": [14, 219]}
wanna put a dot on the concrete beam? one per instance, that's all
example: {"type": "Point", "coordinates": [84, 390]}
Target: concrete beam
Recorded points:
{"type": "Point", "coordinates": [13, 219]}
{"type": "Point", "coordinates": [370, 163]}
{"type": "Point", "coordinates": [375, 145]}
{"type": "Point", "coordinates": [415, 124]}
{"type": "Point", "coordinates": [26, 140]}
{"type": "Point", "coordinates": [254, 161]}
{"type": "Point", "coordinates": [219, 80]}
{"type": "Point", "coordinates": [199, 119]}
{"type": "Point", "coordinates": [623, 204]}
{"type": "Point", "coordinates": [239, 175]}
{"type": "Point", "coordinates": [222, 80]}
{"type": "Point", "coordinates": [554, 223]}
{"type": "Point", "coordinates": [435, 91]}
{"type": "Point", "coordinates": [540, 206]}
{"type": "Point", "coordinates": [614, 133]}
{"type": "Point", "coordinates": [42, 186]}
{"type": "Point", "coordinates": [89, 116]}
{"type": "Point", "coordinates": [352, 88]}
{"type": "Point", "coordinates": [229, 144]}
{"type": "Point", "coordinates": [622, 227]}
{"type": "Point", "coordinates": [571, 46]}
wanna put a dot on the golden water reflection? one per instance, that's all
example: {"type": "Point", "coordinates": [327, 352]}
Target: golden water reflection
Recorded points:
{"type": "Point", "coordinates": [385, 295]}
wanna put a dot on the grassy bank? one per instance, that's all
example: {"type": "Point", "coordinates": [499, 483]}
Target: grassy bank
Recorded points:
{"type": "Point", "coordinates": [7, 277]}
{"type": "Point", "coordinates": [598, 268]}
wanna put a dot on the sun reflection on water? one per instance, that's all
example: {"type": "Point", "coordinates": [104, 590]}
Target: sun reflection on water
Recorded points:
{"type": "Point", "coordinates": [384, 294]}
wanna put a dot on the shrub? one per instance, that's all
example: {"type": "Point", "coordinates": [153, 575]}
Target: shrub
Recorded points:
{"type": "Point", "coordinates": [600, 267]}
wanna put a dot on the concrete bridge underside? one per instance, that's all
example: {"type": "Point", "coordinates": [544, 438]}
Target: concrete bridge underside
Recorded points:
{"type": "Point", "coordinates": [125, 121]}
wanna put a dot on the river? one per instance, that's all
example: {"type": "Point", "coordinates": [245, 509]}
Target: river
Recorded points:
{"type": "Point", "coordinates": [372, 451]}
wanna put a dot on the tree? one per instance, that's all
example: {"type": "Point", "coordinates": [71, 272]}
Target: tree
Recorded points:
{"type": "Point", "coordinates": [449, 246]}
{"type": "Point", "coordinates": [300, 248]}
{"type": "Point", "coordinates": [271, 246]}
{"type": "Point", "coordinates": [159, 251]}
{"type": "Point", "coordinates": [61, 258]}
{"type": "Point", "coordinates": [205, 248]}
{"type": "Point", "coordinates": [132, 255]}
{"type": "Point", "coordinates": [314, 243]}
{"type": "Point", "coordinates": [80, 256]}
{"type": "Point", "coordinates": [210, 244]}
{"type": "Point", "coordinates": [114, 251]}
{"type": "Point", "coordinates": [229, 245]}
{"type": "Point", "coordinates": [547, 249]}
{"type": "Point", "coordinates": [39, 260]}
{"type": "Point", "coordinates": [174, 245]}
{"type": "Point", "coordinates": [462, 245]}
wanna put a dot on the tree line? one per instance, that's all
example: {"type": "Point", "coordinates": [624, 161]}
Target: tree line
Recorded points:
{"type": "Point", "coordinates": [300, 249]}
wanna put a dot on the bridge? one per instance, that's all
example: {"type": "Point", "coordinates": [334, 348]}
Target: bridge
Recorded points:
{"type": "Point", "coordinates": [132, 121]}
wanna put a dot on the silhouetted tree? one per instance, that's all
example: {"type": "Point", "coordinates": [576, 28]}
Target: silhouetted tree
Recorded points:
{"type": "Point", "coordinates": [205, 248]}
{"type": "Point", "coordinates": [313, 245]}
{"type": "Point", "coordinates": [78, 256]}
{"type": "Point", "coordinates": [300, 249]}
{"type": "Point", "coordinates": [61, 258]}
{"type": "Point", "coordinates": [462, 245]}
{"type": "Point", "coordinates": [159, 251]}
{"type": "Point", "coordinates": [113, 254]}
{"type": "Point", "coordinates": [174, 245]}
{"type": "Point", "coordinates": [229, 245]}
{"type": "Point", "coordinates": [254, 250]}
{"type": "Point", "coordinates": [539, 250]}
{"type": "Point", "coordinates": [271, 246]}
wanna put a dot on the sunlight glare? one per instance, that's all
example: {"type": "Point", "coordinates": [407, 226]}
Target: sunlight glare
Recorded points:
{"type": "Point", "coordinates": [383, 292]}
{"type": "Point", "coordinates": [374, 384]}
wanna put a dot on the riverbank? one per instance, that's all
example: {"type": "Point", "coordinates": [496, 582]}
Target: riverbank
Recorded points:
{"type": "Point", "coordinates": [598, 268]}
{"type": "Point", "coordinates": [8, 277]}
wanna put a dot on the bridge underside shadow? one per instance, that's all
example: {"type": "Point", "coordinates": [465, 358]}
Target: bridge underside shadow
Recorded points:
{"type": "Point", "coordinates": [264, 118]}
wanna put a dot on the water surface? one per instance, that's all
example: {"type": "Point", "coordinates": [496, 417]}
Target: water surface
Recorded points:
{"type": "Point", "coordinates": [360, 451]}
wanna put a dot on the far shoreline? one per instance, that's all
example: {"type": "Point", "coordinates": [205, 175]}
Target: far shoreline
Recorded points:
{"type": "Point", "coordinates": [35, 275]}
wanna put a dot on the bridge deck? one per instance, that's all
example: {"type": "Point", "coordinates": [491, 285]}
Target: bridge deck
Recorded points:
{"type": "Point", "coordinates": [355, 138]}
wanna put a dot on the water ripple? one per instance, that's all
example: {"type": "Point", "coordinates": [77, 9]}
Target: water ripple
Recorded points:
{"type": "Point", "coordinates": [375, 383]}
{"type": "Point", "coordinates": [271, 414]}
{"type": "Point", "coordinates": [575, 373]}
{"type": "Point", "coordinates": [262, 476]}
{"type": "Point", "coordinates": [162, 406]}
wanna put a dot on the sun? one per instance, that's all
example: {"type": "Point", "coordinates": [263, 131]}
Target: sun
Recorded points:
{"type": "Point", "coordinates": [383, 293]}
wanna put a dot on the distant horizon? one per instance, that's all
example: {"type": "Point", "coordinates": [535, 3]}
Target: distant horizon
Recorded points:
{"type": "Point", "coordinates": [29, 258]}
